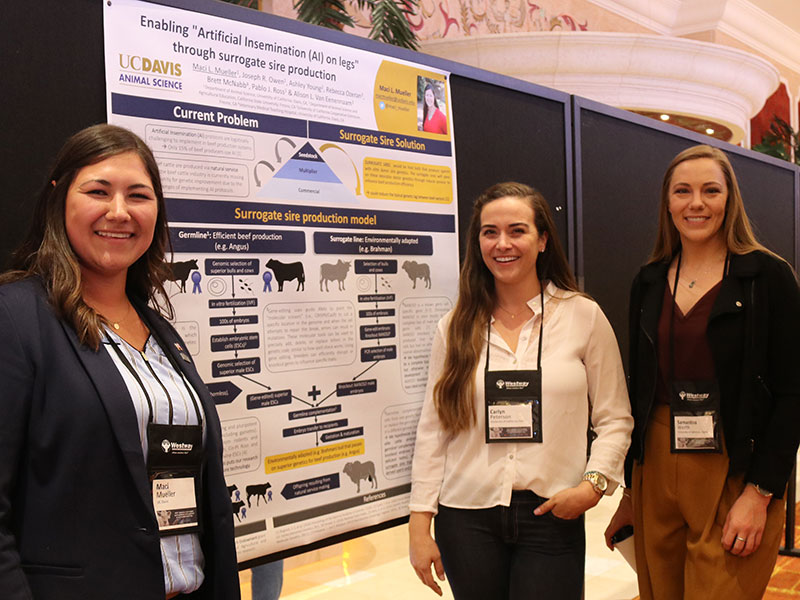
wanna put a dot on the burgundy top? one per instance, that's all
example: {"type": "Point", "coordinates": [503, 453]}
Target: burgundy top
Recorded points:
{"type": "Point", "coordinates": [693, 359]}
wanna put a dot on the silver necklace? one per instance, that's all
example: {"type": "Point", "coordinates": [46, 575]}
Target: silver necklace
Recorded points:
{"type": "Point", "coordinates": [513, 315]}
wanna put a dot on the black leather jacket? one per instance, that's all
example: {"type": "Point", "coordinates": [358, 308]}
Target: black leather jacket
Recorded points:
{"type": "Point", "coordinates": [754, 335]}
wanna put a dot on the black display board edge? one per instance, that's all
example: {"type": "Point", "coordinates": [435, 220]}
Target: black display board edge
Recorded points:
{"type": "Point", "coordinates": [572, 243]}
{"type": "Point", "coordinates": [796, 214]}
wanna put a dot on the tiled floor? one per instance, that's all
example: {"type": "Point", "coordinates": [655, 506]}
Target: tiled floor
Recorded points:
{"type": "Point", "coordinates": [376, 567]}
{"type": "Point", "coordinates": [785, 581]}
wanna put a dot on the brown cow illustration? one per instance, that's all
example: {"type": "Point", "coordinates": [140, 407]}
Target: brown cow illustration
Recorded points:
{"type": "Point", "coordinates": [416, 271]}
{"type": "Point", "coordinates": [357, 471]}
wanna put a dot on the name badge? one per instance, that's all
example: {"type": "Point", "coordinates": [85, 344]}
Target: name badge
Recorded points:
{"type": "Point", "coordinates": [513, 406]}
{"type": "Point", "coordinates": [175, 503]}
{"type": "Point", "coordinates": [174, 465]}
{"type": "Point", "coordinates": [694, 417]}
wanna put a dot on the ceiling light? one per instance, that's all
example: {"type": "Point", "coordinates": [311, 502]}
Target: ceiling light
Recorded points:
{"type": "Point", "coordinates": [709, 131]}
{"type": "Point", "coordinates": [665, 117]}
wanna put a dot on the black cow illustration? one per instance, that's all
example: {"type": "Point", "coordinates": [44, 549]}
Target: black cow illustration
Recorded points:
{"type": "Point", "coordinates": [231, 489]}
{"type": "Point", "coordinates": [416, 271]}
{"type": "Point", "coordinates": [236, 507]}
{"type": "Point", "coordinates": [336, 272]}
{"type": "Point", "coordinates": [179, 272]}
{"type": "Point", "coordinates": [357, 471]}
{"type": "Point", "coordinates": [259, 491]}
{"type": "Point", "coordinates": [287, 272]}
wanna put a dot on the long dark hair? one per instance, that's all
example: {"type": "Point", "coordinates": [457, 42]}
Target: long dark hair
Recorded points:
{"type": "Point", "coordinates": [428, 86]}
{"type": "Point", "coordinates": [47, 254]}
{"type": "Point", "coordinates": [454, 391]}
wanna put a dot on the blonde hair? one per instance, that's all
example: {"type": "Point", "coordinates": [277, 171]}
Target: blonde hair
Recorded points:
{"type": "Point", "coordinates": [738, 234]}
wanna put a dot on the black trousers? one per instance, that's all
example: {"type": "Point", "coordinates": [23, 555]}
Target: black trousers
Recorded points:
{"type": "Point", "coordinates": [508, 553]}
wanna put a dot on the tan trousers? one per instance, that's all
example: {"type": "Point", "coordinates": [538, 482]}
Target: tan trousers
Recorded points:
{"type": "Point", "coordinates": [680, 503]}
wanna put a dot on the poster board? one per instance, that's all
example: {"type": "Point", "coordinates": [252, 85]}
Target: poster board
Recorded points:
{"type": "Point", "coordinates": [312, 212]}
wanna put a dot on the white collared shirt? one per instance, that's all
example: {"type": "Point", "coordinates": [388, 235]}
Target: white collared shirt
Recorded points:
{"type": "Point", "coordinates": [581, 373]}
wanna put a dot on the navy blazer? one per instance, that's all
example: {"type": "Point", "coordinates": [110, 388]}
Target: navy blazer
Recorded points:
{"type": "Point", "coordinates": [76, 513]}
{"type": "Point", "coordinates": [754, 335]}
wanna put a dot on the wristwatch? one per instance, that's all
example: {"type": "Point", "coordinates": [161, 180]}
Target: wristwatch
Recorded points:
{"type": "Point", "coordinates": [598, 481]}
{"type": "Point", "coordinates": [761, 491]}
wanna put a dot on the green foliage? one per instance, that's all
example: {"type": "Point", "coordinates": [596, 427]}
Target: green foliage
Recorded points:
{"type": "Point", "coordinates": [326, 13]}
{"type": "Point", "coordinates": [389, 18]}
{"type": "Point", "coordinates": [780, 141]}
{"type": "Point", "coordinates": [390, 22]}
{"type": "Point", "coordinates": [245, 3]}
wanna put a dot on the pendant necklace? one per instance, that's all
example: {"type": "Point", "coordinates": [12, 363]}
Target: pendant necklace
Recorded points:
{"type": "Point", "coordinates": [513, 315]}
{"type": "Point", "coordinates": [116, 324]}
{"type": "Point", "coordinates": [702, 273]}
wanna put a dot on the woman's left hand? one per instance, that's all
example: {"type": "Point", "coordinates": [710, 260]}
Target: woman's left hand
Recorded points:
{"type": "Point", "coordinates": [570, 503]}
{"type": "Point", "coordinates": [745, 522]}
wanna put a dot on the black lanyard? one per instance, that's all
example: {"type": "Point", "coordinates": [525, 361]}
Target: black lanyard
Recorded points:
{"type": "Point", "coordinates": [541, 334]}
{"type": "Point", "coordinates": [674, 307]}
{"type": "Point", "coordinates": [138, 379]}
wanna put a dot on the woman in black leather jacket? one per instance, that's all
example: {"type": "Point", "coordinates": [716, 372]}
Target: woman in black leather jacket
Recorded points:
{"type": "Point", "coordinates": [715, 393]}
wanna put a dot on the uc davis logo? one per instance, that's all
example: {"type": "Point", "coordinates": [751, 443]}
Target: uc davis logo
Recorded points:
{"type": "Point", "coordinates": [149, 65]}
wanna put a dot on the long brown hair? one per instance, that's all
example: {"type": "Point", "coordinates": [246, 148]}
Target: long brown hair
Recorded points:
{"type": "Point", "coordinates": [46, 252]}
{"type": "Point", "coordinates": [738, 233]}
{"type": "Point", "coordinates": [428, 86]}
{"type": "Point", "coordinates": [454, 391]}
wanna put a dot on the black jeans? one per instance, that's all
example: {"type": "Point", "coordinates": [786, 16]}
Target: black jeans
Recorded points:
{"type": "Point", "coordinates": [508, 553]}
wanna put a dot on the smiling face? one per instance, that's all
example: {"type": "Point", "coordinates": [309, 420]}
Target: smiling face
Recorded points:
{"type": "Point", "coordinates": [698, 197]}
{"type": "Point", "coordinates": [510, 242]}
{"type": "Point", "coordinates": [110, 215]}
{"type": "Point", "coordinates": [429, 98]}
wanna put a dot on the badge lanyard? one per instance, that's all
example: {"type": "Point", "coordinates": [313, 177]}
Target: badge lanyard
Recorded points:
{"type": "Point", "coordinates": [174, 458]}
{"type": "Point", "coordinates": [694, 405]}
{"type": "Point", "coordinates": [135, 374]}
{"type": "Point", "coordinates": [513, 399]}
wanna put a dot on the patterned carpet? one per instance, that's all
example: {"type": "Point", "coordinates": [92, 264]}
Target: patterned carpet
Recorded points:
{"type": "Point", "coordinates": [785, 580]}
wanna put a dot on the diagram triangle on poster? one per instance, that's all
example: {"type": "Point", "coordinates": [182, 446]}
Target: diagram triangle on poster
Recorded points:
{"type": "Point", "coordinates": [307, 176]}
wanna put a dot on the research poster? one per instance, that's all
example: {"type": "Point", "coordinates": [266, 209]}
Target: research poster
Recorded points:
{"type": "Point", "coordinates": [311, 198]}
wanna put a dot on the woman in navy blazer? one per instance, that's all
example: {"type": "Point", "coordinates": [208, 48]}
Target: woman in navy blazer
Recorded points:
{"type": "Point", "coordinates": [76, 508]}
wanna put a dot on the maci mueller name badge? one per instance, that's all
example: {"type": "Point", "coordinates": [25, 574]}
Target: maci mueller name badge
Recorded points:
{"type": "Point", "coordinates": [174, 464]}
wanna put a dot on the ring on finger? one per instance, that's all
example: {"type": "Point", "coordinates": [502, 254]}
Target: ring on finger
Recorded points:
{"type": "Point", "coordinates": [740, 539]}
